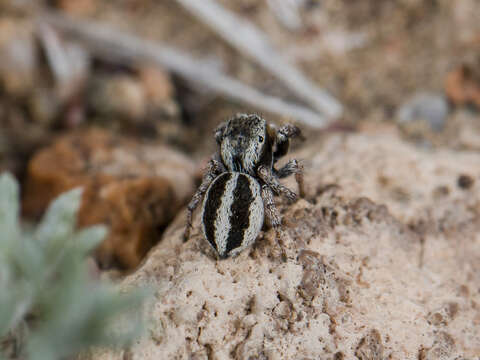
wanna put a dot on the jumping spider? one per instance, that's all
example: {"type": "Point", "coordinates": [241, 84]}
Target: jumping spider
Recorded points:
{"type": "Point", "coordinates": [241, 181]}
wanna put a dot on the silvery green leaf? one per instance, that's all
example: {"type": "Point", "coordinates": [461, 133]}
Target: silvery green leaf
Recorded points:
{"type": "Point", "coordinates": [88, 239]}
{"type": "Point", "coordinates": [60, 219]}
{"type": "Point", "coordinates": [45, 284]}
{"type": "Point", "coordinates": [14, 304]}
{"type": "Point", "coordinates": [9, 208]}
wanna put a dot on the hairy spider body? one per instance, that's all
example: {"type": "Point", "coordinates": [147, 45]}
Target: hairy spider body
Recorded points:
{"type": "Point", "coordinates": [246, 143]}
{"type": "Point", "coordinates": [241, 180]}
{"type": "Point", "coordinates": [232, 214]}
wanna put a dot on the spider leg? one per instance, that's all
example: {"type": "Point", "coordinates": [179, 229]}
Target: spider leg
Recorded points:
{"type": "Point", "coordinates": [292, 167]}
{"type": "Point", "coordinates": [283, 139]}
{"type": "Point", "coordinates": [290, 131]}
{"type": "Point", "coordinates": [273, 215]}
{"type": "Point", "coordinates": [271, 180]}
{"type": "Point", "coordinates": [215, 167]}
{"type": "Point", "coordinates": [271, 210]}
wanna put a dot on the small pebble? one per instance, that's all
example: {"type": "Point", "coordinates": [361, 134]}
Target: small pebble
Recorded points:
{"type": "Point", "coordinates": [465, 181]}
{"type": "Point", "coordinates": [432, 108]}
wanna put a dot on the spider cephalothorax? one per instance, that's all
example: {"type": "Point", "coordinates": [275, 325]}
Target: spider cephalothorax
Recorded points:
{"type": "Point", "coordinates": [245, 143]}
{"type": "Point", "coordinates": [241, 180]}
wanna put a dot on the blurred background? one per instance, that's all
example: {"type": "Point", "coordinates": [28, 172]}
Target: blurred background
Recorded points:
{"type": "Point", "coordinates": [121, 96]}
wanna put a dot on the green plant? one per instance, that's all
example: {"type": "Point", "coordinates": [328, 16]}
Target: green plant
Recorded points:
{"type": "Point", "coordinates": [50, 308]}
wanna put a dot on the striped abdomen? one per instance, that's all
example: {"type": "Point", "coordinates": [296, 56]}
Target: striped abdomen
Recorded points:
{"type": "Point", "coordinates": [232, 213]}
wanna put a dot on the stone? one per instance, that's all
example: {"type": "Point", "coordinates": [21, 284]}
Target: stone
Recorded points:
{"type": "Point", "coordinates": [77, 7]}
{"type": "Point", "coordinates": [119, 95]}
{"type": "Point", "coordinates": [370, 347]}
{"type": "Point", "coordinates": [357, 273]}
{"type": "Point", "coordinates": [462, 85]}
{"type": "Point", "coordinates": [432, 108]}
{"type": "Point", "coordinates": [135, 189]}
{"type": "Point", "coordinates": [19, 65]}
{"type": "Point", "coordinates": [157, 84]}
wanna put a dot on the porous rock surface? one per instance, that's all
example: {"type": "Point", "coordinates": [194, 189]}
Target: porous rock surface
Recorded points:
{"type": "Point", "coordinates": [135, 189]}
{"type": "Point", "coordinates": [380, 261]}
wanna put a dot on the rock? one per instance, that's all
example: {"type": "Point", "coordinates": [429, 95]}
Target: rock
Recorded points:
{"type": "Point", "coordinates": [135, 189]}
{"type": "Point", "coordinates": [163, 111]}
{"type": "Point", "coordinates": [362, 274]}
{"type": "Point", "coordinates": [148, 92]}
{"type": "Point", "coordinates": [119, 95]}
{"type": "Point", "coordinates": [370, 347]}
{"type": "Point", "coordinates": [431, 108]}
{"type": "Point", "coordinates": [157, 84]}
{"type": "Point", "coordinates": [462, 85]}
{"type": "Point", "coordinates": [77, 7]}
{"type": "Point", "coordinates": [143, 100]}
{"type": "Point", "coordinates": [18, 67]}
{"type": "Point", "coordinates": [443, 348]}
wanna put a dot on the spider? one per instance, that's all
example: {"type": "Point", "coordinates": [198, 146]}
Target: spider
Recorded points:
{"type": "Point", "coordinates": [241, 180]}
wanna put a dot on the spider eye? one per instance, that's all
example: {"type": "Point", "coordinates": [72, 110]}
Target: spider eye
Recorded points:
{"type": "Point", "coordinates": [260, 138]}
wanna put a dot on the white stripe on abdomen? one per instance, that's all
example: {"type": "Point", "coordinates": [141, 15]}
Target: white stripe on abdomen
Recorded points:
{"type": "Point", "coordinates": [222, 222]}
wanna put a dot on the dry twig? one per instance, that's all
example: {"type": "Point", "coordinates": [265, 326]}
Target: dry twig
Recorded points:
{"type": "Point", "coordinates": [250, 40]}
{"type": "Point", "coordinates": [111, 43]}
{"type": "Point", "coordinates": [68, 62]}
{"type": "Point", "coordinates": [286, 11]}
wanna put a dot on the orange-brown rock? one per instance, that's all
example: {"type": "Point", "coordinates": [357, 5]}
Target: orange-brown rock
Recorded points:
{"type": "Point", "coordinates": [135, 189]}
{"type": "Point", "coordinates": [77, 7]}
{"type": "Point", "coordinates": [462, 86]}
